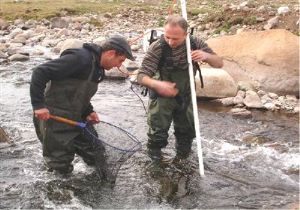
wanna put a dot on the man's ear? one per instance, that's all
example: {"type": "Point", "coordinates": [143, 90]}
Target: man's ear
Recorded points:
{"type": "Point", "coordinates": [111, 53]}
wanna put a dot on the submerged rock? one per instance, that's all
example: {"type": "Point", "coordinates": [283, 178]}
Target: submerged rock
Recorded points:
{"type": "Point", "coordinates": [3, 136]}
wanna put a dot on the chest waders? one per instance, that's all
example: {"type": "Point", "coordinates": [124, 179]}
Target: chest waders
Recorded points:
{"type": "Point", "coordinates": [162, 111]}
{"type": "Point", "coordinates": [67, 98]}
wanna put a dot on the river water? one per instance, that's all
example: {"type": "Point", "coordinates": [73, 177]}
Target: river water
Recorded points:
{"type": "Point", "coordinates": [249, 162]}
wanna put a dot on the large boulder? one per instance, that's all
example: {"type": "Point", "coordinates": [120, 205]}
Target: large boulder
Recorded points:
{"type": "Point", "coordinates": [268, 59]}
{"type": "Point", "coordinates": [217, 84]}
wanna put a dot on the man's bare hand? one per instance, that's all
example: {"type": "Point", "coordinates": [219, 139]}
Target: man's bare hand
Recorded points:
{"type": "Point", "coordinates": [42, 114]}
{"type": "Point", "coordinates": [164, 88]}
{"type": "Point", "coordinates": [93, 118]}
{"type": "Point", "coordinates": [199, 55]}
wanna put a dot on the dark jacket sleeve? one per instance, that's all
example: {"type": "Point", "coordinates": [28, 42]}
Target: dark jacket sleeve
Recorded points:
{"type": "Point", "coordinates": [88, 111]}
{"type": "Point", "coordinates": [57, 69]}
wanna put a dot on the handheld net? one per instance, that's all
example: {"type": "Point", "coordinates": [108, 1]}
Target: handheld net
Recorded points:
{"type": "Point", "coordinates": [112, 145]}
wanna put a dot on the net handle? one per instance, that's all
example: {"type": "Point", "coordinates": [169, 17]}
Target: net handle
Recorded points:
{"type": "Point", "coordinates": [68, 121]}
{"type": "Point", "coordinates": [83, 126]}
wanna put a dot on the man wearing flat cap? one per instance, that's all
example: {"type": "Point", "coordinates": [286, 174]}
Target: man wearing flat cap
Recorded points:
{"type": "Point", "coordinates": [64, 87]}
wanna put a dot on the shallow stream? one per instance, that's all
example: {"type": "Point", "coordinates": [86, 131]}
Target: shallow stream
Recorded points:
{"type": "Point", "coordinates": [249, 162]}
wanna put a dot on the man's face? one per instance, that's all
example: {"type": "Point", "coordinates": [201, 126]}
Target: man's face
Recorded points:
{"type": "Point", "coordinates": [174, 35]}
{"type": "Point", "coordinates": [110, 59]}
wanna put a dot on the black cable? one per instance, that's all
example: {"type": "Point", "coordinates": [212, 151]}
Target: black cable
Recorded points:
{"type": "Point", "coordinates": [131, 87]}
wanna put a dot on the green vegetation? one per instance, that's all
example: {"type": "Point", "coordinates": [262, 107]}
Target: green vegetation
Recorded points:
{"type": "Point", "coordinates": [224, 27]}
{"type": "Point", "coordinates": [96, 23]}
{"type": "Point", "coordinates": [39, 9]}
{"type": "Point", "coordinates": [250, 20]}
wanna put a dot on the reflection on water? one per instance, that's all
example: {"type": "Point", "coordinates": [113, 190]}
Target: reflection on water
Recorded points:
{"type": "Point", "coordinates": [249, 163]}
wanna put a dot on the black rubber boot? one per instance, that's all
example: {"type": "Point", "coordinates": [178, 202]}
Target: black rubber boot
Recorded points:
{"type": "Point", "coordinates": [62, 170]}
{"type": "Point", "coordinates": [155, 166]}
{"type": "Point", "coordinates": [154, 154]}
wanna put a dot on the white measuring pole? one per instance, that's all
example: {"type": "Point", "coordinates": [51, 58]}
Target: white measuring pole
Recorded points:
{"type": "Point", "coordinates": [193, 92]}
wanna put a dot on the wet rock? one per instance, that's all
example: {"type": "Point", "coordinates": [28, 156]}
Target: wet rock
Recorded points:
{"type": "Point", "coordinates": [131, 65]}
{"type": "Point", "coordinates": [256, 139]}
{"type": "Point", "coordinates": [261, 93]}
{"type": "Point", "coordinates": [2, 55]}
{"type": "Point", "coordinates": [241, 112]}
{"type": "Point", "coordinates": [252, 100]}
{"type": "Point", "coordinates": [293, 170]}
{"type": "Point", "coordinates": [135, 47]}
{"type": "Point", "coordinates": [19, 39]}
{"type": "Point", "coordinates": [3, 136]}
{"type": "Point", "coordinates": [273, 95]}
{"type": "Point", "coordinates": [117, 73]}
{"type": "Point", "coordinates": [217, 84]}
{"type": "Point", "coordinates": [296, 109]}
{"type": "Point", "coordinates": [270, 106]}
{"type": "Point", "coordinates": [18, 57]}
{"type": "Point", "coordinates": [227, 101]}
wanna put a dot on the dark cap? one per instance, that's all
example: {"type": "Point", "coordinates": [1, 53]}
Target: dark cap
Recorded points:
{"type": "Point", "coordinates": [120, 44]}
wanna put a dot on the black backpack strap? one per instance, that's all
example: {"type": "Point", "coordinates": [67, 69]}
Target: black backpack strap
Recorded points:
{"type": "Point", "coordinates": [166, 56]}
{"type": "Point", "coordinates": [196, 64]}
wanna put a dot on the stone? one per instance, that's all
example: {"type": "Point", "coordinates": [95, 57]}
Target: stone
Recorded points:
{"type": "Point", "coordinates": [241, 112]}
{"type": "Point", "coordinates": [252, 100]}
{"type": "Point", "coordinates": [227, 101]}
{"type": "Point", "coordinates": [283, 10]}
{"type": "Point", "coordinates": [217, 84]}
{"type": "Point", "coordinates": [117, 73]}
{"type": "Point", "coordinates": [3, 135]}
{"type": "Point", "coordinates": [18, 57]}
{"type": "Point", "coordinates": [71, 43]}
{"type": "Point", "coordinates": [269, 58]}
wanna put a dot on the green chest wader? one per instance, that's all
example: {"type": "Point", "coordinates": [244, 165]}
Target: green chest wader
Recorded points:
{"type": "Point", "coordinates": [68, 98]}
{"type": "Point", "coordinates": [162, 111]}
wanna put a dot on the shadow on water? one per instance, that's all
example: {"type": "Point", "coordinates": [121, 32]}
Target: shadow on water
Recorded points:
{"type": "Point", "coordinates": [249, 162]}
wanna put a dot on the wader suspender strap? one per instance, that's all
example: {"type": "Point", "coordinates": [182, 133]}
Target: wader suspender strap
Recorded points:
{"type": "Point", "coordinates": [166, 53]}
{"type": "Point", "coordinates": [167, 61]}
{"type": "Point", "coordinates": [93, 68]}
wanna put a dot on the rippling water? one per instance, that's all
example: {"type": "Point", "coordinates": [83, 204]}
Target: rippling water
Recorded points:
{"type": "Point", "coordinates": [249, 163]}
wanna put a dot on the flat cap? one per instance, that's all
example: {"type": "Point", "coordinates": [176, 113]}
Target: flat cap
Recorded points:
{"type": "Point", "coordinates": [120, 44]}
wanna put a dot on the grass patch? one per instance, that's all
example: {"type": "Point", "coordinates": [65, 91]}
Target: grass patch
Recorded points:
{"type": "Point", "coordinates": [96, 22]}
{"type": "Point", "coordinates": [224, 27]}
{"type": "Point", "coordinates": [250, 20]}
{"type": "Point", "coordinates": [39, 9]}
